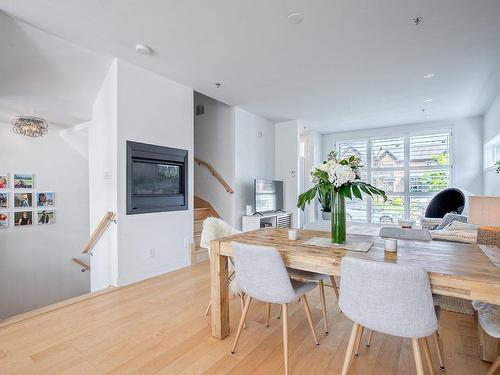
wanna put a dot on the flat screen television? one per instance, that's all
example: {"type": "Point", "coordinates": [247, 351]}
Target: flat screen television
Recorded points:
{"type": "Point", "coordinates": [268, 195]}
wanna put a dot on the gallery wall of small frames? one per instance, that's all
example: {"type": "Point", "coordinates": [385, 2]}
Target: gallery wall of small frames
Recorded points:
{"type": "Point", "coordinates": [21, 204]}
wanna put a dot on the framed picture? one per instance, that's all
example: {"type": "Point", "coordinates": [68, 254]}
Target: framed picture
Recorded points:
{"type": "Point", "coordinates": [4, 200]}
{"type": "Point", "coordinates": [4, 181]}
{"type": "Point", "coordinates": [45, 199]}
{"type": "Point", "coordinates": [23, 200]}
{"type": "Point", "coordinates": [4, 220]}
{"type": "Point", "coordinates": [46, 217]}
{"type": "Point", "coordinates": [23, 218]}
{"type": "Point", "coordinates": [23, 181]}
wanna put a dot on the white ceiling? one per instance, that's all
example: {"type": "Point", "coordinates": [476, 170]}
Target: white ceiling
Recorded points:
{"type": "Point", "coordinates": [44, 75]}
{"type": "Point", "coordinates": [350, 64]}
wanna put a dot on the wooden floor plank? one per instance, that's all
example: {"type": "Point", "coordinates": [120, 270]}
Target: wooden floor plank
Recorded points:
{"type": "Point", "coordinates": [157, 327]}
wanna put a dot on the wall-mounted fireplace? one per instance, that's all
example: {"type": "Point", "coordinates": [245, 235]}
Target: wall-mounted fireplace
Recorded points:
{"type": "Point", "coordinates": [157, 178]}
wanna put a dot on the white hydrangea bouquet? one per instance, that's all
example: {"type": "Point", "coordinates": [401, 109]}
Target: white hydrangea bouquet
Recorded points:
{"type": "Point", "coordinates": [340, 178]}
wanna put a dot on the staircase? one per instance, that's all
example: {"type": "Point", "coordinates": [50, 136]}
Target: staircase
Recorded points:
{"type": "Point", "coordinates": [202, 210]}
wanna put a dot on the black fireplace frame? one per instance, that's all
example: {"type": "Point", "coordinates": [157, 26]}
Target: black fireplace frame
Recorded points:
{"type": "Point", "coordinates": [142, 204]}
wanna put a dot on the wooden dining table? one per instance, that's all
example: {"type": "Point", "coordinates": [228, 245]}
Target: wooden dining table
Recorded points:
{"type": "Point", "coordinates": [466, 271]}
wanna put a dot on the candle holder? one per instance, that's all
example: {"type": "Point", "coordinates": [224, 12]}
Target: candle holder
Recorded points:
{"type": "Point", "coordinates": [391, 245]}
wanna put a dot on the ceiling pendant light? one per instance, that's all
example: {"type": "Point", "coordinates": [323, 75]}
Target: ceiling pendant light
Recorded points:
{"type": "Point", "coordinates": [30, 126]}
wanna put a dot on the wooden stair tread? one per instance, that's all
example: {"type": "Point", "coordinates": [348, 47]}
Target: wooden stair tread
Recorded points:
{"type": "Point", "coordinates": [202, 210]}
{"type": "Point", "coordinates": [202, 213]}
{"type": "Point", "coordinates": [199, 249]}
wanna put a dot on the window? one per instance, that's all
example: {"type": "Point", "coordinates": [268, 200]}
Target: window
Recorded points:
{"type": "Point", "coordinates": [491, 153]}
{"type": "Point", "coordinates": [411, 169]}
{"type": "Point", "coordinates": [356, 209]}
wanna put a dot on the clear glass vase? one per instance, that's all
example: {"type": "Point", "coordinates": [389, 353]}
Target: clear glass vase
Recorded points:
{"type": "Point", "coordinates": [338, 218]}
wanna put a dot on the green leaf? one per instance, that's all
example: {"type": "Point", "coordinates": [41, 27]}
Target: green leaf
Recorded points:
{"type": "Point", "coordinates": [365, 190]}
{"type": "Point", "coordinates": [325, 195]}
{"type": "Point", "coordinates": [306, 197]}
{"type": "Point", "coordinates": [356, 192]}
{"type": "Point", "coordinates": [346, 191]}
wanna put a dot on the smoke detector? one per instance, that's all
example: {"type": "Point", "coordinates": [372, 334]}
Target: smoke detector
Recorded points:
{"type": "Point", "coordinates": [417, 20]}
{"type": "Point", "coordinates": [142, 49]}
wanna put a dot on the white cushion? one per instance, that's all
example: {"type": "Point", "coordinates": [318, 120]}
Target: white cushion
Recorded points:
{"type": "Point", "coordinates": [464, 236]}
{"type": "Point", "coordinates": [459, 225]}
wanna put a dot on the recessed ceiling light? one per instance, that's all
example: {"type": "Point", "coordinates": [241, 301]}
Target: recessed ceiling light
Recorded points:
{"type": "Point", "coordinates": [428, 100]}
{"type": "Point", "coordinates": [428, 75]}
{"type": "Point", "coordinates": [295, 18]}
{"type": "Point", "coordinates": [142, 49]}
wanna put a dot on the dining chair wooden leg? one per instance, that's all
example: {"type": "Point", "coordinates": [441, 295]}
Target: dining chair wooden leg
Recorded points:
{"type": "Point", "coordinates": [309, 318]}
{"type": "Point", "coordinates": [334, 285]}
{"type": "Point", "coordinates": [242, 302]}
{"type": "Point", "coordinates": [268, 313]}
{"type": "Point", "coordinates": [418, 356]}
{"type": "Point", "coordinates": [494, 367]}
{"type": "Point", "coordinates": [285, 335]}
{"type": "Point", "coordinates": [323, 304]}
{"type": "Point", "coordinates": [279, 314]}
{"type": "Point", "coordinates": [369, 342]}
{"type": "Point", "coordinates": [361, 329]}
{"type": "Point", "coordinates": [438, 349]}
{"type": "Point", "coordinates": [208, 308]}
{"type": "Point", "coordinates": [427, 354]}
{"type": "Point", "coordinates": [350, 348]}
{"type": "Point", "coordinates": [242, 322]}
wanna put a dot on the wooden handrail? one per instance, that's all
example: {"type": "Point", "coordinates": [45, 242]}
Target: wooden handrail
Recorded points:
{"type": "Point", "coordinates": [85, 266]}
{"type": "Point", "coordinates": [99, 230]}
{"type": "Point", "coordinates": [215, 174]}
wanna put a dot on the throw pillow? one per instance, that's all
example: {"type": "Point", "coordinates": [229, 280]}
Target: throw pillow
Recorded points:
{"type": "Point", "coordinates": [465, 236]}
{"type": "Point", "coordinates": [459, 225]}
{"type": "Point", "coordinates": [449, 217]}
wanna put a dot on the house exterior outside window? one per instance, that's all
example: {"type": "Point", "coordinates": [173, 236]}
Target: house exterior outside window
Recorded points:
{"type": "Point", "coordinates": [411, 169]}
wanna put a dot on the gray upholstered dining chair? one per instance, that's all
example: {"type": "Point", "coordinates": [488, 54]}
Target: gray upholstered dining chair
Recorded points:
{"type": "Point", "coordinates": [405, 233]}
{"type": "Point", "coordinates": [409, 234]}
{"type": "Point", "coordinates": [261, 274]}
{"type": "Point", "coordinates": [489, 320]}
{"type": "Point", "coordinates": [319, 278]}
{"type": "Point", "coordinates": [316, 277]}
{"type": "Point", "coordinates": [388, 298]}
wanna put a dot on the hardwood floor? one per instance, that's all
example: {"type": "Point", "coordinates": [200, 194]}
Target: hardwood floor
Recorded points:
{"type": "Point", "coordinates": [157, 327]}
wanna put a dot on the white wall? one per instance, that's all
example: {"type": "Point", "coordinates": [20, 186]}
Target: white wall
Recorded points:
{"type": "Point", "coordinates": [286, 163]}
{"type": "Point", "coordinates": [313, 155]}
{"type": "Point", "coordinates": [466, 147]}
{"type": "Point", "coordinates": [240, 146]}
{"type": "Point", "coordinates": [148, 108]}
{"type": "Point", "coordinates": [103, 180]}
{"type": "Point", "coordinates": [254, 145]}
{"type": "Point", "coordinates": [492, 130]}
{"type": "Point", "coordinates": [35, 261]}
{"type": "Point", "coordinates": [214, 142]}
{"type": "Point", "coordinates": [155, 110]}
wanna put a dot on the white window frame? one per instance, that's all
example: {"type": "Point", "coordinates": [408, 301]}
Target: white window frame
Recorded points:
{"type": "Point", "coordinates": [407, 168]}
{"type": "Point", "coordinates": [491, 154]}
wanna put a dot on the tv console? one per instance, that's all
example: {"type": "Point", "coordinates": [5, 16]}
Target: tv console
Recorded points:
{"type": "Point", "coordinates": [267, 219]}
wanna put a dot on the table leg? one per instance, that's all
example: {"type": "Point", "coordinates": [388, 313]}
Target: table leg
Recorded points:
{"type": "Point", "coordinates": [220, 292]}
